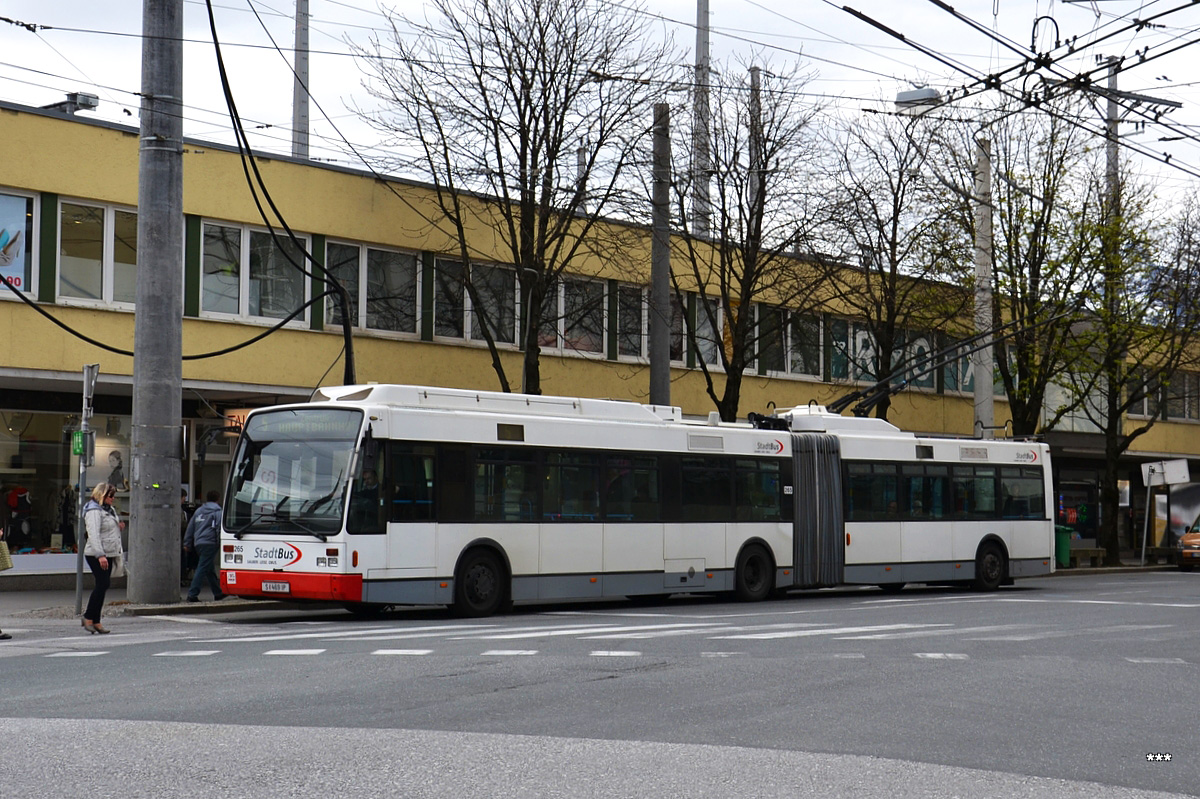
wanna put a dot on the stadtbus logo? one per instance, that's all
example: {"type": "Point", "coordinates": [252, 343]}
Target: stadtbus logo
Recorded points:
{"type": "Point", "coordinates": [774, 447]}
{"type": "Point", "coordinates": [1027, 457]}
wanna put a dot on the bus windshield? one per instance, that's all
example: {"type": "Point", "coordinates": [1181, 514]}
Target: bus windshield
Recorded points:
{"type": "Point", "coordinates": [291, 470]}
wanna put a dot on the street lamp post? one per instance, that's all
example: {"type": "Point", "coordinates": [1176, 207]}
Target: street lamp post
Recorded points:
{"type": "Point", "coordinates": [916, 102]}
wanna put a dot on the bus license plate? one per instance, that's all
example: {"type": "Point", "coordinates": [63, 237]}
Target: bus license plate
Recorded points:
{"type": "Point", "coordinates": [276, 588]}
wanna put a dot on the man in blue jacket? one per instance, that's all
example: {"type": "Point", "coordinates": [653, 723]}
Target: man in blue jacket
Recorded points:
{"type": "Point", "coordinates": [204, 535]}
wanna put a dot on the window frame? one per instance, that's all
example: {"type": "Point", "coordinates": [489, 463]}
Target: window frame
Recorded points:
{"type": "Point", "coordinates": [31, 234]}
{"type": "Point", "coordinates": [245, 234]}
{"type": "Point", "coordinates": [361, 296]}
{"type": "Point", "coordinates": [108, 250]}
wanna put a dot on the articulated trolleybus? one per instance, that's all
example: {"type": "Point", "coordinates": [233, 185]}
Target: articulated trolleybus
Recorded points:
{"type": "Point", "coordinates": [382, 495]}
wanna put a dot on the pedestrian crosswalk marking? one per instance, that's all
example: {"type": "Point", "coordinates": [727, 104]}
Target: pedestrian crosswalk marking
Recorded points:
{"type": "Point", "coordinates": [763, 636]}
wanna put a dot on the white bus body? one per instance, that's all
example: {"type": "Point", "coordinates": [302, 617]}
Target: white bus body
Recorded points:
{"type": "Point", "coordinates": [486, 498]}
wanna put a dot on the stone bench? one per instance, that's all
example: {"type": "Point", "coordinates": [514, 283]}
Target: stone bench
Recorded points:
{"type": "Point", "coordinates": [1095, 557]}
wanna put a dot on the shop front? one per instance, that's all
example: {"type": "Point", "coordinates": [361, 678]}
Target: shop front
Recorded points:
{"type": "Point", "coordinates": [39, 480]}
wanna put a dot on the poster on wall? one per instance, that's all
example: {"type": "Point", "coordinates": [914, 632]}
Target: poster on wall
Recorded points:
{"type": "Point", "coordinates": [13, 220]}
{"type": "Point", "coordinates": [112, 454]}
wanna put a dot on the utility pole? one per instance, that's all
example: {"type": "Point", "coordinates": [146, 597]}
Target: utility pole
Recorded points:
{"type": "Point", "coordinates": [756, 147]}
{"type": "Point", "coordinates": [701, 162]}
{"type": "Point", "coordinates": [300, 86]}
{"type": "Point", "coordinates": [660, 261]}
{"type": "Point", "coordinates": [157, 360]}
{"type": "Point", "coordinates": [985, 399]}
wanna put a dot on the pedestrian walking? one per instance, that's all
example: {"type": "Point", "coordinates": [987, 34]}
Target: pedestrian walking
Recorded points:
{"type": "Point", "coordinates": [204, 536]}
{"type": "Point", "coordinates": [103, 550]}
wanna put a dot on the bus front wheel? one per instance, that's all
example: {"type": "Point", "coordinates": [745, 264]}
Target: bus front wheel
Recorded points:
{"type": "Point", "coordinates": [989, 567]}
{"type": "Point", "coordinates": [479, 588]}
{"type": "Point", "coordinates": [754, 574]}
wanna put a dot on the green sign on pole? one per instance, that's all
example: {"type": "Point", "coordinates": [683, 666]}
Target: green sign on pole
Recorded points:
{"type": "Point", "coordinates": [78, 447]}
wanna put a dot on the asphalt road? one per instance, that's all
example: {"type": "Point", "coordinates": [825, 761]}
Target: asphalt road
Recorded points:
{"type": "Point", "coordinates": [1067, 686]}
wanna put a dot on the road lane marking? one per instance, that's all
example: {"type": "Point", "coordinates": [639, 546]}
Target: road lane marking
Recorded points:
{"type": "Point", "coordinates": [75, 654]}
{"type": "Point", "coordinates": [402, 652]}
{"type": "Point", "coordinates": [1039, 636]}
{"type": "Point", "coordinates": [941, 656]}
{"type": "Point", "coordinates": [608, 629]}
{"type": "Point", "coordinates": [665, 631]}
{"type": "Point", "coordinates": [828, 631]}
{"type": "Point", "coordinates": [1172, 661]}
{"type": "Point", "coordinates": [293, 651]}
{"type": "Point", "coordinates": [509, 652]}
{"type": "Point", "coordinates": [360, 634]}
{"type": "Point", "coordinates": [606, 653]}
{"type": "Point", "coordinates": [187, 653]}
{"type": "Point", "coordinates": [927, 633]}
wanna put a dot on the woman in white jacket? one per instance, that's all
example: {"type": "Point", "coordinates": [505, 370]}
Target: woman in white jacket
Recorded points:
{"type": "Point", "coordinates": [102, 549]}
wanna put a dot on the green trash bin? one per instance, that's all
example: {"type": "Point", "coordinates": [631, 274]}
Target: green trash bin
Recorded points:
{"type": "Point", "coordinates": [1062, 545]}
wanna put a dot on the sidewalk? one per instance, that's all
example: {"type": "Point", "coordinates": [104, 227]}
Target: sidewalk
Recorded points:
{"type": "Point", "coordinates": [60, 603]}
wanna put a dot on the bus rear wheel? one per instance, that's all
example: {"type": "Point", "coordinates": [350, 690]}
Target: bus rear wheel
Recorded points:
{"type": "Point", "coordinates": [479, 585]}
{"type": "Point", "coordinates": [989, 567]}
{"type": "Point", "coordinates": [754, 575]}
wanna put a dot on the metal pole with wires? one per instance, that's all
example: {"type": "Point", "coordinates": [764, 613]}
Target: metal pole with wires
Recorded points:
{"type": "Point", "coordinates": [157, 446]}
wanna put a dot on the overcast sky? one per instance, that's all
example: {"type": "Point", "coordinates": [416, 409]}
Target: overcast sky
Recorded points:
{"type": "Point", "coordinates": [95, 47]}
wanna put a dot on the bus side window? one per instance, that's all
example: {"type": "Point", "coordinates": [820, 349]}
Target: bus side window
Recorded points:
{"type": "Point", "coordinates": [366, 502]}
{"type": "Point", "coordinates": [412, 473]}
{"type": "Point", "coordinates": [452, 485]}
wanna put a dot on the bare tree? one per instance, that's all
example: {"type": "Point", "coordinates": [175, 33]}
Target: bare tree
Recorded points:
{"type": "Point", "coordinates": [893, 215]}
{"type": "Point", "coordinates": [748, 280]}
{"type": "Point", "coordinates": [1143, 320]}
{"type": "Point", "coordinates": [1041, 256]}
{"type": "Point", "coordinates": [493, 101]}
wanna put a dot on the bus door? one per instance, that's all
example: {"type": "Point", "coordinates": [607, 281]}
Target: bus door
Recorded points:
{"type": "Point", "coordinates": [818, 548]}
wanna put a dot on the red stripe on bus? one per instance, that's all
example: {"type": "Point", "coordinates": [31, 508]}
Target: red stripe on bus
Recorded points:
{"type": "Point", "coordinates": [336, 587]}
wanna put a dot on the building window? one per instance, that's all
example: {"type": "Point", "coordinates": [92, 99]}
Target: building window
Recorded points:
{"type": "Point", "coordinates": [343, 263]}
{"type": "Point", "coordinates": [496, 291]}
{"type": "Point", "coordinates": [677, 314]}
{"type": "Point", "coordinates": [448, 295]}
{"type": "Point", "coordinates": [454, 313]}
{"type": "Point", "coordinates": [853, 351]}
{"type": "Point", "coordinates": [804, 345]}
{"type": "Point", "coordinates": [387, 291]}
{"type": "Point", "coordinates": [583, 315]}
{"type": "Point", "coordinates": [97, 253]}
{"type": "Point", "coordinates": [630, 320]}
{"type": "Point", "coordinates": [16, 243]}
{"type": "Point", "coordinates": [771, 338]}
{"type": "Point", "coordinates": [276, 276]}
{"type": "Point", "coordinates": [573, 316]}
{"type": "Point", "coordinates": [251, 273]}
{"type": "Point", "coordinates": [708, 322]}
{"type": "Point", "coordinates": [1181, 396]}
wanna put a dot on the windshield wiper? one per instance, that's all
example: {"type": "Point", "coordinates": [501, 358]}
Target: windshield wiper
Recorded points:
{"type": "Point", "coordinates": [277, 517]}
{"type": "Point", "coordinates": [254, 519]}
{"type": "Point", "coordinates": [305, 528]}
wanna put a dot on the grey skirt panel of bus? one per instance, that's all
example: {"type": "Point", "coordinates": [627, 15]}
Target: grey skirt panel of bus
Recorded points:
{"type": "Point", "coordinates": [819, 555]}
